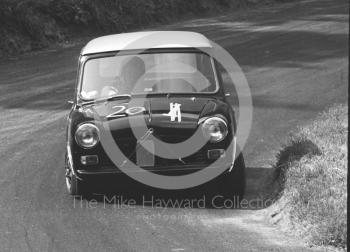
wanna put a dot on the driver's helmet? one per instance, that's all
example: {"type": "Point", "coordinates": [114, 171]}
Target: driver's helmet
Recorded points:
{"type": "Point", "coordinates": [132, 71]}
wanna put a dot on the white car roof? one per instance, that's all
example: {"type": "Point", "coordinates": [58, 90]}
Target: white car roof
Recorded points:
{"type": "Point", "coordinates": [146, 40]}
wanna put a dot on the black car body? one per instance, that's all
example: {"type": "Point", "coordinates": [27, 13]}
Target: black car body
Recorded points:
{"type": "Point", "coordinates": [87, 157]}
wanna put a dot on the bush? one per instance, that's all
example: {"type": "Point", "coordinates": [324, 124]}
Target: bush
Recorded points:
{"type": "Point", "coordinates": [312, 170]}
{"type": "Point", "coordinates": [31, 24]}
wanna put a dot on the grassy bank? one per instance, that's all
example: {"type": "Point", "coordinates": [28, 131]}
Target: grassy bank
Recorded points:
{"type": "Point", "coordinates": [311, 175]}
{"type": "Point", "coordinates": [33, 24]}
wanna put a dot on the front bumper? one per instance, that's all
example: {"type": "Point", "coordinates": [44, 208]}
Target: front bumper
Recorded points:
{"type": "Point", "coordinates": [164, 170]}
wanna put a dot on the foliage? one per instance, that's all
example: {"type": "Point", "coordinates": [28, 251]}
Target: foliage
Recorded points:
{"type": "Point", "coordinates": [32, 24]}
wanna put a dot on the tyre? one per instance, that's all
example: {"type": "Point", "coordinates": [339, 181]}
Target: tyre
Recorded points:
{"type": "Point", "coordinates": [234, 182]}
{"type": "Point", "coordinates": [228, 186]}
{"type": "Point", "coordinates": [75, 186]}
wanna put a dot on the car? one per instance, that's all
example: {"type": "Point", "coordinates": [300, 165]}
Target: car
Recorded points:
{"type": "Point", "coordinates": [179, 90]}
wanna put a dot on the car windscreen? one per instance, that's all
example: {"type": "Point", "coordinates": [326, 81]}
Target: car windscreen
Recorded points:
{"type": "Point", "coordinates": [150, 73]}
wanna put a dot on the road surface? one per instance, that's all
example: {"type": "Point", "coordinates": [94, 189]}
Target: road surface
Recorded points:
{"type": "Point", "coordinates": [295, 58]}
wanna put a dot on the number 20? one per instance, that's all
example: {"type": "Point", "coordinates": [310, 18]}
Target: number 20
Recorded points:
{"type": "Point", "coordinates": [122, 110]}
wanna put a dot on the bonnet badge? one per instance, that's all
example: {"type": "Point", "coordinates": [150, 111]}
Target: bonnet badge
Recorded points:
{"type": "Point", "coordinates": [174, 112]}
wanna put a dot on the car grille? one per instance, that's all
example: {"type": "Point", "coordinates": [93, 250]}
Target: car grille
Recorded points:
{"type": "Point", "coordinates": [128, 149]}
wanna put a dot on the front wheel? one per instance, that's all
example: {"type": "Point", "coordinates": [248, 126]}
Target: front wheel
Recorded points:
{"type": "Point", "coordinates": [234, 182]}
{"type": "Point", "coordinates": [228, 187]}
{"type": "Point", "coordinates": [74, 185]}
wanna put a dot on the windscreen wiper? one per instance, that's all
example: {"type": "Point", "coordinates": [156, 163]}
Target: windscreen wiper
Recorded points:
{"type": "Point", "coordinates": [116, 97]}
{"type": "Point", "coordinates": [110, 98]}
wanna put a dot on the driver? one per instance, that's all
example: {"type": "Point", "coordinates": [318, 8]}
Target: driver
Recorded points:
{"type": "Point", "coordinates": [132, 70]}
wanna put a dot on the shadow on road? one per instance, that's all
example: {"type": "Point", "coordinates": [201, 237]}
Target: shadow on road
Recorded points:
{"type": "Point", "coordinates": [124, 191]}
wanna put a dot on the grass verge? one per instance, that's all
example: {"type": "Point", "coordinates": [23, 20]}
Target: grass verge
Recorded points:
{"type": "Point", "coordinates": [311, 178]}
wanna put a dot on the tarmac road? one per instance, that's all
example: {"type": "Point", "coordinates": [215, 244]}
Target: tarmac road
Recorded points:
{"type": "Point", "coordinates": [295, 58]}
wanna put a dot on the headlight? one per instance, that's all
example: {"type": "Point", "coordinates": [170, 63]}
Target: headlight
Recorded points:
{"type": "Point", "coordinates": [87, 135]}
{"type": "Point", "coordinates": [215, 129]}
